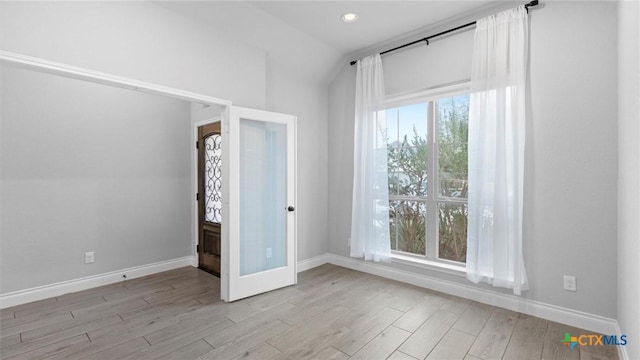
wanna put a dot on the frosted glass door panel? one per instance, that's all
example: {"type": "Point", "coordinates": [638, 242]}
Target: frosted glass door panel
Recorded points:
{"type": "Point", "coordinates": [259, 245]}
{"type": "Point", "coordinates": [263, 196]}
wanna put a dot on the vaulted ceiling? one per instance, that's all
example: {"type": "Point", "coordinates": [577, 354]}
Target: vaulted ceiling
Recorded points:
{"type": "Point", "coordinates": [309, 37]}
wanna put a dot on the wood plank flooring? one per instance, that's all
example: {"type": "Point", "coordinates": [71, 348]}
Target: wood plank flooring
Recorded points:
{"type": "Point", "coordinates": [333, 313]}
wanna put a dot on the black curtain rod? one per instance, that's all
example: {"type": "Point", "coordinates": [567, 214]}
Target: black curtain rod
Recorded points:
{"type": "Point", "coordinates": [426, 39]}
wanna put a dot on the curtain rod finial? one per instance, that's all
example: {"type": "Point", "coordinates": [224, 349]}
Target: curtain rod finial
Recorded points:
{"type": "Point", "coordinates": [532, 3]}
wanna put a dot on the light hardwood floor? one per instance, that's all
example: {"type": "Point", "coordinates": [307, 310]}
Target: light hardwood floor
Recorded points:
{"type": "Point", "coordinates": [333, 313]}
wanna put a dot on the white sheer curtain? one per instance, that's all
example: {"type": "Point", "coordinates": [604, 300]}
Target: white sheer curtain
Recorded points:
{"type": "Point", "coordinates": [496, 150]}
{"type": "Point", "coordinates": [370, 212]}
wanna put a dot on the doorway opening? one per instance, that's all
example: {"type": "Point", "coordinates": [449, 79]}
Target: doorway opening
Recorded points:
{"type": "Point", "coordinates": [258, 157]}
{"type": "Point", "coordinates": [209, 163]}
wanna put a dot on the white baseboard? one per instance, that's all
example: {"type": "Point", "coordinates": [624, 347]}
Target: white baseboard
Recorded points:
{"type": "Point", "coordinates": [559, 314]}
{"type": "Point", "coordinates": [46, 291]}
{"type": "Point", "coordinates": [65, 287]}
{"type": "Point", "coordinates": [310, 263]}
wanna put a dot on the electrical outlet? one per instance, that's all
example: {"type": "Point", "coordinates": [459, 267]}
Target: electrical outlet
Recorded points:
{"type": "Point", "coordinates": [89, 257]}
{"type": "Point", "coordinates": [269, 253]}
{"type": "Point", "coordinates": [570, 283]}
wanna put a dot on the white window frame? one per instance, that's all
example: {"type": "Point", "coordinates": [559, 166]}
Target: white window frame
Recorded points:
{"type": "Point", "coordinates": [430, 260]}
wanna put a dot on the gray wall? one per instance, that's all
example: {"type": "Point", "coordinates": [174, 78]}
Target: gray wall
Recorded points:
{"type": "Point", "coordinates": [87, 167]}
{"type": "Point", "coordinates": [139, 40]}
{"type": "Point", "coordinates": [132, 39]}
{"type": "Point", "coordinates": [571, 170]}
{"type": "Point", "coordinates": [150, 43]}
{"type": "Point", "coordinates": [629, 174]}
{"type": "Point", "coordinates": [308, 101]}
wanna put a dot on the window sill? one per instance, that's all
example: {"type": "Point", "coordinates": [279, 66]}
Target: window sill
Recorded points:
{"type": "Point", "coordinates": [447, 268]}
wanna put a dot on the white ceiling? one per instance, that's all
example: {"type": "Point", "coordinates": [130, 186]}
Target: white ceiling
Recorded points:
{"type": "Point", "coordinates": [377, 20]}
{"type": "Point", "coordinates": [309, 38]}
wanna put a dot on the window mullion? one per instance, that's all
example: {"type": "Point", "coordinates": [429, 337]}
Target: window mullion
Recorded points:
{"type": "Point", "coordinates": [397, 175]}
{"type": "Point", "coordinates": [431, 231]}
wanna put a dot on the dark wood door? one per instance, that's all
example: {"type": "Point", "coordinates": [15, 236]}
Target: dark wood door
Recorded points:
{"type": "Point", "coordinates": [209, 197]}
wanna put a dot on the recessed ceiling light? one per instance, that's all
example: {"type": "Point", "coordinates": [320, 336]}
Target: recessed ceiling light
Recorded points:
{"type": "Point", "coordinates": [349, 17]}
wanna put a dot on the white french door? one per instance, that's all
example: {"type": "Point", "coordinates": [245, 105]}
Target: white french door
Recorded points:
{"type": "Point", "coordinates": [258, 244]}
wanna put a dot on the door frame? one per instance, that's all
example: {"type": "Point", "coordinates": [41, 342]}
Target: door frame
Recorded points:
{"type": "Point", "coordinates": [74, 72]}
{"type": "Point", "coordinates": [84, 74]}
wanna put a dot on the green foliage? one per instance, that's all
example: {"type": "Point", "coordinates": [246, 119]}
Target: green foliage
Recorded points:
{"type": "Point", "coordinates": [407, 220]}
{"type": "Point", "coordinates": [452, 232]}
{"type": "Point", "coordinates": [453, 161]}
{"type": "Point", "coordinates": [452, 139]}
{"type": "Point", "coordinates": [408, 176]}
{"type": "Point", "coordinates": [407, 165]}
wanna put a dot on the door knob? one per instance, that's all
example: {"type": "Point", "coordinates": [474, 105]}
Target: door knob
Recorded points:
{"type": "Point", "coordinates": [291, 208]}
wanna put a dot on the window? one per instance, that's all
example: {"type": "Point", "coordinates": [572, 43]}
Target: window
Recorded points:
{"type": "Point", "coordinates": [213, 178]}
{"type": "Point", "coordinates": [427, 158]}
